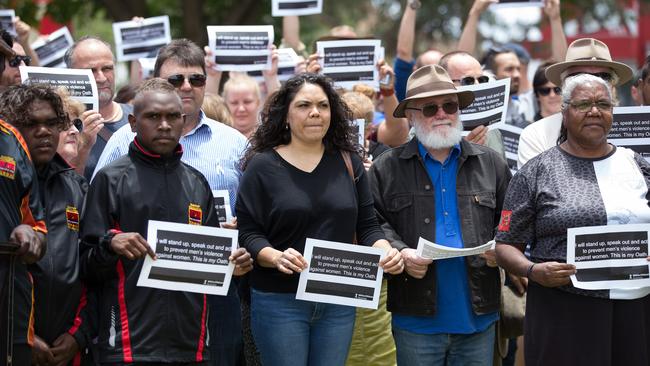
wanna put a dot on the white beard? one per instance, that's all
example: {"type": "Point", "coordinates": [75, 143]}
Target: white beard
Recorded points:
{"type": "Point", "coordinates": [436, 139]}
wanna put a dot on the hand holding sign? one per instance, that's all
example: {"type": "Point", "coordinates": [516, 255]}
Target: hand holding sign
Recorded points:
{"type": "Point", "coordinates": [289, 261]}
{"type": "Point", "coordinates": [416, 266]}
{"type": "Point", "coordinates": [242, 260]}
{"type": "Point", "coordinates": [131, 245]}
{"type": "Point", "coordinates": [93, 122]}
{"type": "Point", "coordinates": [552, 274]}
{"type": "Point", "coordinates": [392, 263]}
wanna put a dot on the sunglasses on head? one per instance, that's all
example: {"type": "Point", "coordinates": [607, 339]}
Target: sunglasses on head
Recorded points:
{"type": "Point", "coordinates": [15, 62]}
{"type": "Point", "coordinates": [78, 124]}
{"type": "Point", "coordinates": [196, 80]}
{"type": "Point", "coordinates": [603, 75]}
{"type": "Point", "coordinates": [470, 80]}
{"type": "Point", "coordinates": [546, 91]}
{"type": "Point", "coordinates": [430, 110]}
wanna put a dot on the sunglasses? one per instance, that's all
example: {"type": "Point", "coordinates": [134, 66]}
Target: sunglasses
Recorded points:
{"type": "Point", "coordinates": [546, 91]}
{"type": "Point", "coordinates": [196, 80]}
{"type": "Point", "coordinates": [586, 105]}
{"type": "Point", "coordinates": [78, 124]}
{"type": "Point", "coordinates": [603, 75]}
{"type": "Point", "coordinates": [15, 62]}
{"type": "Point", "coordinates": [430, 110]}
{"type": "Point", "coordinates": [470, 80]}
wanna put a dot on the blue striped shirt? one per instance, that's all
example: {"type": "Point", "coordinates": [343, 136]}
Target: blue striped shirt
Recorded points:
{"type": "Point", "coordinates": [211, 147]}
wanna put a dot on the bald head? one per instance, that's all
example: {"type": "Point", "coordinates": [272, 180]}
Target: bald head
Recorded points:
{"type": "Point", "coordinates": [461, 65]}
{"type": "Point", "coordinates": [431, 57]}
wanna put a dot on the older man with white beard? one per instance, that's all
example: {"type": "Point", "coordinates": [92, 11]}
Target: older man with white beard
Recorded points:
{"type": "Point", "coordinates": [449, 191]}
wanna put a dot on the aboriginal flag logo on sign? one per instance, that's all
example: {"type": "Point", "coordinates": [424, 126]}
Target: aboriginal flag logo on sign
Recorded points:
{"type": "Point", "coordinates": [7, 167]}
{"type": "Point", "coordinates": [72, 218]}
{"type": "Point", "coordinates": [195, 214]}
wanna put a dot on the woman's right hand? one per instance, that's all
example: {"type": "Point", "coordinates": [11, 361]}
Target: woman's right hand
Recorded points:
{"type": "Point", "coordinates": [290, 261]}
{"type": "Point", "coordinates": [552, 274]}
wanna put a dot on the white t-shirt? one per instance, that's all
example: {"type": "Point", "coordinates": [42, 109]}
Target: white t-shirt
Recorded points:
{"type": "Point", "coordinates": [538, 137]}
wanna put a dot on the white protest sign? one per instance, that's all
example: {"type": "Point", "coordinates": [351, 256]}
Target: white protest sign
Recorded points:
{"type": "Point", "coordinates": [430, 250]}
{"type": "Point", "coordinates": [281, 8]}
{"type": "Point", "coordinates": [80, 83]}
{"type": "Point", "coordinates": [221, 199]}
{"type": "Point", "coordinates": [350, 62]}
{"type": "Point", "coordinates": [609, 257]}
{"type": "Point", "coordinates": [7, 17]}
{"type": "Point", "coordinates": [191, 258]}
{"type": "Point", "coordinates": [241, 48]}
{"type": "Point", "coordinates": [287, 61]}
{"type": "Point", "coordinates": [489, 105]}
{"type": "Point", "coordinates": [136, 39]}
{"type": "Point", "coordinates": [50, 50]}
{"type": "Point", "coordinates": [147, 64]}
{"type": "Point", "coordinates": [359, 126]}
{"type": "Point", "coordinates": [518, 4]}
{"type": "Point", "coordinates": [631, 129]}
{"type": "Point", "coordinates": [339, 273]}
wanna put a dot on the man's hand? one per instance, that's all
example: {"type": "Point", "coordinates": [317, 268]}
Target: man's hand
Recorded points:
{"type": "Point", "coordinates": [93, 122]}
{"type": "Point", "coordinates": [22, 30]}
{"type": "Point", "coordinates": [313, 65]}
{"type": "Point", "coordinates": [41, 353]}
{"type": "Point", "coordinates": [520, 284]}
{"type": "Point", "coordinates": [552, 274]}
{"type": "Point", "coordinates": [230, 225]}
{"type": "Point", "coordinates": [490, 257]}
{"type": "Point", "coordinates": [393, 263]}
{"type": "Point", "coordinates": [480, 6]}
{"type": "Point", "coordinates": [131, 246]}
{"type": "Point", "coordinates": [290, 261]}
{"type": "Point", "coordinates": [478, 135]}
{"type": "Point", "coordinates": [31, 245]}
{"type": "Point", "coordinates": [552, 8]}
{"type": "Point", "coordinates": [64, 348]}
{"type": "Point", "coordinates": [416, 266]}
{"type": "Point", "coordinates": [273, 71]}
{"type": "Point", "coordinates": [385, 69]}
{"type": "Point", "coordinates": [242, 260]}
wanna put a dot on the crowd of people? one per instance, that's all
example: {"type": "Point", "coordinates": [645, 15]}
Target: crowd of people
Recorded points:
{"type": "Point", "coordinates": [79, 187]}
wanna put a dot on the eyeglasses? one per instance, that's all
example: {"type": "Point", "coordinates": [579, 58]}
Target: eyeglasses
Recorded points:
{"type": "Point", "coordinates": [196, 80]}
{"type": "Point", "coordinates": [15, 62]}
{"type": "Point", "coordinates": [587, 105]}
{"type": "Point", "coordinates": [603, 75]}
{"type": "Point", "coordinates": [430, 110]}
{"type": "Point", "coordinates": [78, 124]}
{"type": "Point", "coordinates": [470, 80]}
{"type": "Point", "coordinates": [546, 91]}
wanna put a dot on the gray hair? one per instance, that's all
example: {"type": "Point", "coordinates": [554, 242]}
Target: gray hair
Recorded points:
{"type": "Point", "coordinates": [614, 81]}
{"type": "Point", "coordinates": [571, 83]}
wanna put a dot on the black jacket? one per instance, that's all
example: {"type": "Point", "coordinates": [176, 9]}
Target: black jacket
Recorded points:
{"type": "Point", "coordinates": [142, 324]}
{"type": "Point", "coordinates": [404, 201]}
{"type": "Point", "coordinates": [57, 287]}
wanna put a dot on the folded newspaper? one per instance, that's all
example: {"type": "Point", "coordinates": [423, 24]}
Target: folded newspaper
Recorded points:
{"type": "Point", "coordinates": [430, 250]}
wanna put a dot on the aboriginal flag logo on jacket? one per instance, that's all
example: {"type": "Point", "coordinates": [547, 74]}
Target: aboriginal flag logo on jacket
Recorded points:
{"type": "Point", "coordinates": [195, 214]}
{"type": "Point", "coordinates": [72, 218]}
{"type": "Point", "coordinates": [7, 167]}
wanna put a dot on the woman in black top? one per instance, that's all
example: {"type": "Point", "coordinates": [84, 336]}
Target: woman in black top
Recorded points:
{"type": "Point", "coordinates": [296, 186]}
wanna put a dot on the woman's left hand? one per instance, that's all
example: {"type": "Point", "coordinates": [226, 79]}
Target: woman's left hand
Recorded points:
{"type": "Point", "coordinates": [242, 260]}
{"type": "Point", "coordinates": [392, 262]}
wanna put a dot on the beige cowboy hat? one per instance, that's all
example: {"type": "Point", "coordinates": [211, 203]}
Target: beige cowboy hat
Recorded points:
{"type": "Point", "coordinates": [431, 81]}
{"type": "Point", "coordinates": [588, 52]}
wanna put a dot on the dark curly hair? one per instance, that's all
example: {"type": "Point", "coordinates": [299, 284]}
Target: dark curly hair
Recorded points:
{"type": "Point", "coordinates": [272, 131]}
{"type": "Point", "coordinates": [16, 101]}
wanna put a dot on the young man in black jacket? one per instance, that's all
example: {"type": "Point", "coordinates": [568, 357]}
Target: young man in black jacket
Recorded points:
{"type": "Point", "coordinates": [139, 324]}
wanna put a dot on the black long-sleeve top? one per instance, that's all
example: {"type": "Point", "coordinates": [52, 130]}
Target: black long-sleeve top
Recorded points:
{"type": "Point", "coordinates": [279, 206]}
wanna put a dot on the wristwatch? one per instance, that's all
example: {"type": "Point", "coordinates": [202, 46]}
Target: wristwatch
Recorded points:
{"type": "Point", "coordinates": [414, 4]}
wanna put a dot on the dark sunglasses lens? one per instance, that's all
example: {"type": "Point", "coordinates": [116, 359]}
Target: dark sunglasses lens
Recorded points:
{"type": "Point", "coordinates": [557, 90]}
{"type": "Point", "coordinates": [176, 80]}
{"type": "Point", "coordinates": [15, 62]}
{"type": "Point", "coordinates": [78, 124]}
{"type": "Point", "coordinates": [27, 60]}
{"type": "Point", "coordinates": [450, 107]}
{"type": "Point", "coordinates": [430, 110]}
{"type": "Point", "coordinates": [483, 79]}
{"type": "Point", "coordinates": [467, 81]}
{"type": "Point", "coordinates": [197, 80]}
{"type": "Point", "coordinates": [544, 91]}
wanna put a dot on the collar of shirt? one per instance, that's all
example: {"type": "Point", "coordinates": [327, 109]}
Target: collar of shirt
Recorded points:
{"type": "Point", "coordinates": [204, 124]}
{"type": "Point", "coordinates": [453, 154]}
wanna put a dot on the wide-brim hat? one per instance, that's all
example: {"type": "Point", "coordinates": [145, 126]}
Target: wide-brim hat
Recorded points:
{"type": "Point", "coordinates": [588, 52]}
{"type": "Point", "coordinates": [431, 81]}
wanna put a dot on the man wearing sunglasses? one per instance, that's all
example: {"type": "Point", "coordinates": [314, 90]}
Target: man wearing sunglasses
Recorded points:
{"type": "Point", "coordinates": [583, 56]}
{"type": "Point", "coordinates": [95, 54]}
{"type": "Point", "coordinates": [212, 148]}
{"type": "Point", "coordinates": [11, 75]}
{"type": "Point", "coordinates": [641, 88]}
{"type": "Point", "coordinates": [464, 69]}
{"type": "Point", "coordinates": [447, 190]}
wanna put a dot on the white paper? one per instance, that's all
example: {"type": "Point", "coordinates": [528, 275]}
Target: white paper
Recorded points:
{"type": "Point", "coordinates": [281, 8]}
{"type": "Point", "coordinates": [147, 64]}
{"type": "Point", "coordinates": [287, 61]}
{"type": "Point", "coordinates": [191, 258]}
{"type": "Point", "coordinates": [489, 106]}
{"type": "Point", "coordinates": [222, 205]}
{"type": "Point", "coordinates": [343, 274]}
{"type": "Point", "coordinates": [350, 62]}
{"type": "Point", "coordinates": [80, 83]}
{"type": "Point", "coordinates": [359, 125]}
{"type": "Point", "coordinates": [431, 250]}
{"type": "Point", "coordinates": [51, 49]}
{"type": "Point", "coordinates": [241, 48]}
{"type": "Point", "coordinates": [517, 4]}
{"type": "Point", "coordinates": [7, 17]}
{"type": "Point", "coordinates": [609, 257]}
{"type": "Point", "coordinates": [136, 39]}
{"type": "Point", "coordinates": [631, 129]}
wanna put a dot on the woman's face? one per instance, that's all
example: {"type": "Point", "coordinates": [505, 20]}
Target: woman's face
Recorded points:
{"type": "Point", "coordinates": [588, 118]}
{"type": "Point", "coordinates": [309, 115]}
{"type": "Point", "coordinates": [550, 99]}
{"type": "Point", "coordinates": [69, 141]}
{"type": "Point", "coordinates": [244, 105]}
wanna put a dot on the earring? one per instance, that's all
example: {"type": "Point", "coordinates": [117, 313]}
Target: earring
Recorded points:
{"type": "Point", "coordinates": [286, 126]}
